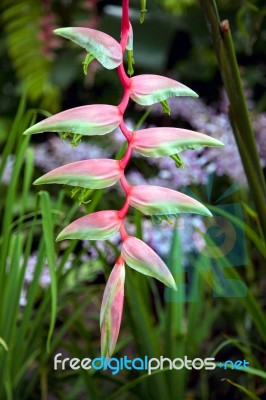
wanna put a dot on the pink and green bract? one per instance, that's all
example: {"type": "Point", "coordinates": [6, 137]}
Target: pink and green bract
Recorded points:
{"type": "Point", "coordinates": [157, 202]}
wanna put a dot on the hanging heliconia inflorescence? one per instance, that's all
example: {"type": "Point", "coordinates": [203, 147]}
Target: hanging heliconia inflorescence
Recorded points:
{"type": "Point", "coordinates": [100, 119]}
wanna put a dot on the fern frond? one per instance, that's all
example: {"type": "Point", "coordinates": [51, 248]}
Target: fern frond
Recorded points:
{"type": "Point", "coordinates": [20, 20]}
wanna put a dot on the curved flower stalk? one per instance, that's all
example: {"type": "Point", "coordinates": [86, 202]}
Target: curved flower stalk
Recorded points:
{"type": "Point", "coordinates": [157, 202]}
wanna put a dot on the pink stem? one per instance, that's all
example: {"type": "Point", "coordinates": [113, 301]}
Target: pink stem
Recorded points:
{"type": "Point", "coordinates": [126, 132]}
{"type": "Point", "coordinates": [123, 232]}
{"type": "Point", "coordinates": [124, 161]}
{"type": "Point", "coordinates": [123, 211]}
{"type": "Point", "coordinates": [125, 25]}
{"type": "Point", "coordinates": [125, 184]}
{"type": "Point", "coordinates": [120, 260]}
{"type": "Point", "coordinates": [125, 81]}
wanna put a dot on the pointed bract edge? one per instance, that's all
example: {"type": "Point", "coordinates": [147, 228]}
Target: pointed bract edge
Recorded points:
{"type": "Point", "coordinates": [139, 256]}
{"type": "Point", "coordinates": [100, 225]}
{"type": "Point", "coordinates": [150, 89]}
{"type": "Point", "coordinates": [90, 174]}
{"type": "Point", "coordinates": [112, 309]}
{"type": "Point", "coordinates": [90, 120]}
{"type": "Point", "coordinates": [157, 200]}
{"type": "Point", "coordinates": [102, 46]}
{"type": "Point", "coordinates": [129, 45]}
{"type": "Point", "coordinates": [160, 142]}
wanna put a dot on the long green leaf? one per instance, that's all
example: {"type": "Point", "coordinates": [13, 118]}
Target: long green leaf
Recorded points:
{"type": "Point", "coordinates": [48, 228]}
{"type": "Point", "coordinates": [250, 394]}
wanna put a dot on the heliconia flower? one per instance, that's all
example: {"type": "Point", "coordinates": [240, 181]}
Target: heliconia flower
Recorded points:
{"type": "Point", "coordinates": [149, 89]}
{"type": "Point", "coordinates": [100, 225]}
{"type": "Point", "coordinates": [156, 200]}
{"type": "Point", "coordinates": [112, 308]}
{"type": "Point", "coordinates": [158, 142]}
{"type": "Point", "coordinates": [139, 256]}
{"type": "Point", "coordinates": [99, 119]}
{"type": "Point", "coordinates": [90, 174]}
{"type": "Point", "coordinates": [95, 119]}
{"type": "Point", "coordinates": [100, 45]}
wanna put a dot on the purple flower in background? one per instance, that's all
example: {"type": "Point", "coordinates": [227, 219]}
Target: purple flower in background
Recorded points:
{"type": "Point", "coordinates": [210, 120]}
{"type": "Point", "coordinates": [54, 153]}
{"type": "Point", "coordinates": [259, 124]}
{"type": "Point", "coordinates": [8, 170]}
{"type": "Point", "coordinates": [44, 280]}
{"type": "Point", "coordinates": [202, 162]}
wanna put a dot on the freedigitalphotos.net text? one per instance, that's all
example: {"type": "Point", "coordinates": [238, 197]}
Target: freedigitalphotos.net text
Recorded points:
{"type": "Point", "coordinates": [144, 364]}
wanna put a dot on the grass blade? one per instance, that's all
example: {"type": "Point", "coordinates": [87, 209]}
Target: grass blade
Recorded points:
{"type": "Point", "coordinates": [48, 229]}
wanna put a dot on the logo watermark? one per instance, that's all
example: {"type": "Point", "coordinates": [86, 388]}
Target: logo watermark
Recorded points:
{"type": "Point", "coordinates": [223, 246]}
{"type": "Point", "coordinates": [144, 364]}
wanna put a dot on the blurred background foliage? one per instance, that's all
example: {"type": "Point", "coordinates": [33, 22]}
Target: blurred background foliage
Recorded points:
{"type": "Point", "coordinates": [57, 288]}
{"type": "Point", "coordinates": [173, 39]}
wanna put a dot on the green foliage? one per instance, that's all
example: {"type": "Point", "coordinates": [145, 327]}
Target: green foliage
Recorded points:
{"type": "Point", "coordinates": [249, 20]}
{"type": "Point", "coordinates": [194, 323]}
{"type": "Point", "coordinates": [21, 23]}
{"type": "Point", "coordinates": [177, 6]}
{"type": "Point", "coordinates": [26, 342]}
{"type": "Point", "coordinates": [185, 322]}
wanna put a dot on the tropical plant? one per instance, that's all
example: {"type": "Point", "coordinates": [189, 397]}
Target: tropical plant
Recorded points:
{"type": "Point", "coordinates": [218, 310]}
{"type": "Point", "coordinates": [100, 119]}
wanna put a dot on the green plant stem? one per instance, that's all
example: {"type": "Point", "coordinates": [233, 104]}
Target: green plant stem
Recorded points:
{"type": "Point", "coordinates": [245, 139]}
{"type": "Point", "coordinates": [251, 176]}
{"type": "Point", "coordinates": [238, 104]}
